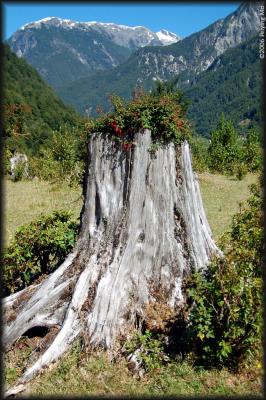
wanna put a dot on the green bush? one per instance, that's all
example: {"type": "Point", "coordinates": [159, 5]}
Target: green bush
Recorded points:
{"type": "Point", "coordinates": [225, 302]}
{"type": "Point", "coordinates": [252, 150]}
{"type": "Point", "coordinates": [162, 113]}
{"type": "Point", "coordinates": [149, 350]}
{"type": "Point", "coordinates": [240, 170]}
{"type": "Point", "coordinates": [62, 160]}
{"type": "Point", "coordinates": [7, 155]}
{"type": "Point", "coordinates": [38, 248]}
{"type": "Point", "coordinates": [224, 150]}
{"type": "Point", "coordinates": [200, 155]}
{"type": "Point", "coordinates": [232, 154]}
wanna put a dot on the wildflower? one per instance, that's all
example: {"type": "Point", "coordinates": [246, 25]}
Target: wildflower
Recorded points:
{"type": "Point", "coordinates": [126, 146]}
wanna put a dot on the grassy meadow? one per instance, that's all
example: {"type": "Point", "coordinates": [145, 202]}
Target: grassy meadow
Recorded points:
{"type": "Point", "coordinates": [93, 373]}
{"type": "Point", "coordinates": [221, 196]}
{"type": "Point", "coordinates": [26, 200]}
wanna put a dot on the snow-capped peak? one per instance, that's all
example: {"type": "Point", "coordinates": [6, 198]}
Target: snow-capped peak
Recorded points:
{"type": "Point", "coordinates": [68, 23]}
{"type": "Point", "coordinates": [50, 20]}
{"type": "Point", "coordinates": [120, 34]}
{"type": "Point", "coordinates": [167, 37]}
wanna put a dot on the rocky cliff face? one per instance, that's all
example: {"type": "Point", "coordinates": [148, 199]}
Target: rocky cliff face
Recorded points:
{"type": "Point", "coordinates": [85, 62]}
{"type": "Point", "coordinates": [198, 51]}
{"type": "Point", "coordinates": [186, 58]}
{"type": "Point", "coordinates": [232, 85]}
{"type": "Point", "coordinates": [63, 50]}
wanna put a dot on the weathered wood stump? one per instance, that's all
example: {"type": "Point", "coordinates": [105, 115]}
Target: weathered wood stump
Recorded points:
{"type": "Point", "coordinates": [143, 225]}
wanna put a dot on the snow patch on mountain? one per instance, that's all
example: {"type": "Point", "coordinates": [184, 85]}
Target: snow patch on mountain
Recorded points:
{"type": "Point", "coordinates": [167, 37]}
{"type": "Point", "coordinates": [121, 34]}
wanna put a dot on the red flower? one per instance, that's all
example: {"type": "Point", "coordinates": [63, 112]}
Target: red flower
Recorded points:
{"type": "Point", "coordinates": [118, 131]}
{"type": "Point", "coordinates": [126, 146]}
{"type": "Point", "coordinates": [113, 124]}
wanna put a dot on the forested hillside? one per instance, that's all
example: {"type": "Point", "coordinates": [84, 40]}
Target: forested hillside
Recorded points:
{"type": "Point", "coordinates": [232, 85]}
{"type": "Point", "coordinates": [32, 109]}
{"type": "Point", "coordinates": [186, 58]}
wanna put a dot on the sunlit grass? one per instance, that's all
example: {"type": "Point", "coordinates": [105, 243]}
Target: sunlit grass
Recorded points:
{"type": "Point", "coordinates": [221, 197]}
{"type": "Point", "coordinates": [26, 200]}
{"type": "Point", "coordinates": [81, 373]}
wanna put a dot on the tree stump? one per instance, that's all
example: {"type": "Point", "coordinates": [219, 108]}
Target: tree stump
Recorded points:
{"type": "Point", "coordinates": [142, 226]}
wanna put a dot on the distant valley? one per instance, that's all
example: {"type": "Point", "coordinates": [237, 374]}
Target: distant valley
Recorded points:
{"type": "Point", "coordinates": [218, 67]}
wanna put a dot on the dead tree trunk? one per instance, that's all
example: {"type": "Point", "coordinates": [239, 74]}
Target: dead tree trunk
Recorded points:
{"type": "Point", "coordinates": [143, 225]}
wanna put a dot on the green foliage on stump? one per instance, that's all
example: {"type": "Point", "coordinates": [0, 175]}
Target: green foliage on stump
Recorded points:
{"type": "Point", "coordinates": [163, 112]}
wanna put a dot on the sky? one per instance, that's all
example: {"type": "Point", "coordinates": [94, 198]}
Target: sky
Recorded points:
{"type": "Point", "coordinates": [180, 18]}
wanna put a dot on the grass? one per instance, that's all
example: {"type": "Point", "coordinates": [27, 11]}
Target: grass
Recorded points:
{"type": "Point", "coordinates": [82, 373]}
{"type": "Point", "coordinates": [26, 200]}
{"type": "Point", "coordinates": [221, 196]}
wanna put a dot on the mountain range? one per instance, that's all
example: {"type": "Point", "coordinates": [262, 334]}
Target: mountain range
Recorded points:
{"type": "Point", "coordinates": [231, 85]}
{"type": "Point", "coordinates": [85, 62]}
{"type": "Point", "coordinates": [64, 50]}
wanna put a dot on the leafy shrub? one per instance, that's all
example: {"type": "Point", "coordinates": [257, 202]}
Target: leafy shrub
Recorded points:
{"type": "Point", "coordinates": [149, 350]}
{"type": "Point", "coordinates": [20, 171]}
{"type": "Point", "coordinates": [39, 247]}
{"type": "Point", "coordinates": [162, 113]}
{"type": "Point", "coordinates": [252, 150]}
{"type": "Point", "coordinates": [224, 149]}
{"type": "Point", "coordinates": [7, 155]}
{"type": "Point", "coordinates": [231, 154]}
{"type": "Point", "coordinates": [200, 155]}
{"type": "Point", "coordinates": [241, 170]}
{"type": "Point", "coordinates": [62, 160]}
{"type": "Point", "coordinates": [225, 302]}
